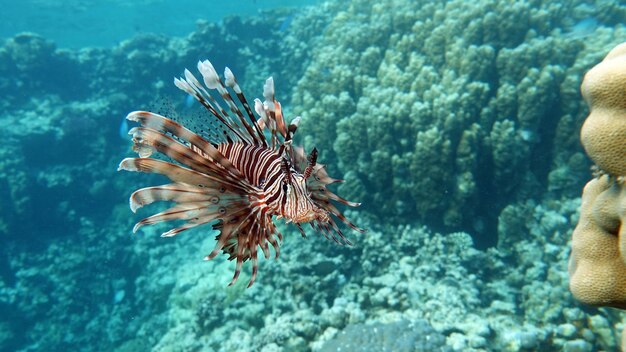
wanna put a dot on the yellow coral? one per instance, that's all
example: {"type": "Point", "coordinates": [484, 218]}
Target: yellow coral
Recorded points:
{"type": "Point", "coordinates": [603, 134]}
{"type": "Point", "coordinates": [598, 261]}
{"type": "Point", "coordinates": [597, 264]}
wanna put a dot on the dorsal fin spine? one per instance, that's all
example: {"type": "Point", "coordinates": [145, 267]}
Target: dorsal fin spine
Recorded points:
{"type": "Point", "coordinates": [192, 86]}
{"type": "Point", "coordinates": [231, 81]}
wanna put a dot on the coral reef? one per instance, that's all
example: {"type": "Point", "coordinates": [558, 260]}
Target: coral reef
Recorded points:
{"type": "Point", "coordinates": [429, 106]}
{"type": "Point", "coordinates": [511, 299]}
{"type": "Point", "coordinates": [401, 336]}
{"type": "Point", "coordinates": [604, 132]}
{"type": "Point", "coordinates": [456, 122]}
{"type": "Point", "coordinates": [59, 102]}
{"type": "Point", "coordinates": [597, 265]}
{"type": "Point", "coordinates": [62, 114]}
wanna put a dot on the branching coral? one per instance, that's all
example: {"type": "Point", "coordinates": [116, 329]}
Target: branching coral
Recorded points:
{"type": "Point", "coordinates": [452, 102]}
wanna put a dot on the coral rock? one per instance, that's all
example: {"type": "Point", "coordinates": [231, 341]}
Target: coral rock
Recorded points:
{"type": "Point", "coordinates": [604, 132]}
{"type": "Point", "coordinates": [597, 264]}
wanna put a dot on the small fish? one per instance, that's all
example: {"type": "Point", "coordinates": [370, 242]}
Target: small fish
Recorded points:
{"type": "Point", "coordinates": [241, 174]}
{"type": "Point", "coordinates": [285, 23]}
{"type": "Point", "coordinates": [583, 28]}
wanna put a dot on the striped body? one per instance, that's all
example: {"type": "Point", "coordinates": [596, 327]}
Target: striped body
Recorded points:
{"type": "Point", "coordinates": [262, 167]}
{"type": "Point", "coordinates": [259, 165]}
{"type": "Point", "coordinates": [239, 177]}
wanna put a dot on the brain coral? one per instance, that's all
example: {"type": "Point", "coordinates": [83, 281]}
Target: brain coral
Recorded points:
{"type": "Point", "coordinates": [429, 107]}
{"type": "Point", "coordinates": [604, 132]}
{"type": "Point", "coordinates": [597, 265]}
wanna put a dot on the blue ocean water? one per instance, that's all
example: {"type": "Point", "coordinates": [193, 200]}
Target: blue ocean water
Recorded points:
{"type": "Point", "coordinates": [83, 23]}
{"type": "Point", "coordinates": [454, 124]}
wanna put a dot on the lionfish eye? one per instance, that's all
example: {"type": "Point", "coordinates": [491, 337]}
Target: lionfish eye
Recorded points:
{"type": "Point", "coordinates": [284, 186]}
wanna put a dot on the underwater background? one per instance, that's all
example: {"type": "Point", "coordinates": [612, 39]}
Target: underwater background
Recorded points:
{"type": "Point", "coordinates": [455, 123]}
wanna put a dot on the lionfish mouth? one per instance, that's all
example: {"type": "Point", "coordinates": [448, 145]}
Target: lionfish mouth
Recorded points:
{"type": "Point", "coordinates": [215, 176]}
{"type": "Point", "coordinates": [309, 216]}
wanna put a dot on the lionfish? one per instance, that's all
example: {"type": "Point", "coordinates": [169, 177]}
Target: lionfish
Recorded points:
{"type": "Point", "coordinates": [240, 176]}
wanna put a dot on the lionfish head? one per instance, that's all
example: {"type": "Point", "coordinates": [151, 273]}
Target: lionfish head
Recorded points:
{"type": "Point", "coordinates": [299, 206]}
